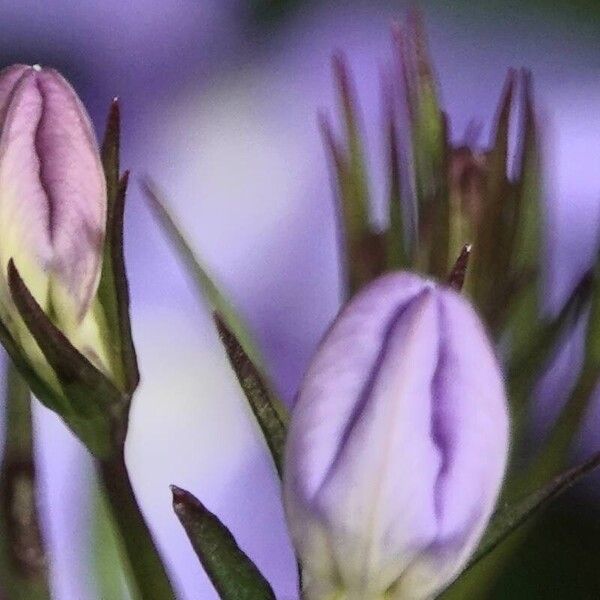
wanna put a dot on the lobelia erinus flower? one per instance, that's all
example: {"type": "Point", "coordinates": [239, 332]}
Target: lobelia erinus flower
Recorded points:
{"type": "Point", "coordinates": [397, 445]}
{"type": "Point", "coordinates": [52, 207]}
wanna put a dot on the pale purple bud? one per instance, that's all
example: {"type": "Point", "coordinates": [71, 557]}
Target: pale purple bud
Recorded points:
{"type": "Point", "coordinates": [52, 190]}
{"type": "Point", "coordinates": [52, 197]}
{"type": "Point", "coordinates": [397, 445]}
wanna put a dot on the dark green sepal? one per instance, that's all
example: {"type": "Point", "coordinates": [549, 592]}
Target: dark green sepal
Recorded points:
{"type": "Point", "coordinates": [270, 413]}
{"type": "Point", "coordinates": [127, 348]}
{"type": "Point", "coordinates": [37, 385]}
{"type": "Point", "coordinates": [113, 289]}
{"type": "Point", "coordinates": [93, 404]}
{"type": "Point", "coordinates": [233, 574]}
{"type": "Point", "coordinates": [110, 151]}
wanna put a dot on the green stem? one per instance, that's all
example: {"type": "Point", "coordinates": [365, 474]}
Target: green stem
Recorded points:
{"type": "Point", "coordinates": [145, 564]}
{"type": "Point", "coordinates": [23, 569]}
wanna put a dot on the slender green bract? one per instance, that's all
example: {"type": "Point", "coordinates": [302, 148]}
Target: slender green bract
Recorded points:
{"type": "Point", "coordinates": [113, 289]}
{"type": "Point", "coordinates": [233, 574]}
{"type": "Point", "coordinates": [91, 401]}
{"type": "Point", "coordinates": [269, 411]}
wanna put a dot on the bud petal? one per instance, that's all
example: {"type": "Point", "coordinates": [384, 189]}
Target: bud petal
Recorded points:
{"type": "Point", "coordinates": [52, 204]}
{"type": "Point", "coordinates": [52, 191]}
{"type": "Point", "coordinates": [397, 444]}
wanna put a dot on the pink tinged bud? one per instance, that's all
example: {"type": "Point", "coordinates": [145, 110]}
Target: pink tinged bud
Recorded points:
{"type": "Point", "coordinates": [397, 445]}
{"type": "Point", "coordinates": [52, 193]}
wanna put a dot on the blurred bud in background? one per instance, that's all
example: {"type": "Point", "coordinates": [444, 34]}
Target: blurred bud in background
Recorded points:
{"type": "Point", "coordinates": [397, 445]}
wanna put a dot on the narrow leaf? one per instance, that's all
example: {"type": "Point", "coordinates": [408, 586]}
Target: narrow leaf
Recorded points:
{"type": "Point", "coordinates": [506, 520]}
{"type": "Point", "coordinates": [23, 562]}
{"type": "Point", "coordinates": [268, 410]}
{"type": "Point", "coordinates": [233, 574]}
{"type": "Point", "coordinates": [207, 288]}
{"type": "Point", "coordinates": [94, 402]}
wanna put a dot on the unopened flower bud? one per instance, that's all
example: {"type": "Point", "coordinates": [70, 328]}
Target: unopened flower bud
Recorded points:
{"type": "Point", "coordinates": [397, 445]}
{"type": "Point", "coordinates": [52, 206]}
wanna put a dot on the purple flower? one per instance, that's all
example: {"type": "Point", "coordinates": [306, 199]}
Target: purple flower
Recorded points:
{"type": "Point", "coordinates": [52, 203]}
{"type": "Point", "coordinates": [397, 445]}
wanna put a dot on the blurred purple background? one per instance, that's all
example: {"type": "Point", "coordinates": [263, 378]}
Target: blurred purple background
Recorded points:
{"type": "Point", "coordinates": [219, 106]}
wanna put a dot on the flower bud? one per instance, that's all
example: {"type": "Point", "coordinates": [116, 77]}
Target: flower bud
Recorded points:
{"type": "Point", "coordinates": [397, 445]}
{"type": "Point", "coordinates": [52, 206]}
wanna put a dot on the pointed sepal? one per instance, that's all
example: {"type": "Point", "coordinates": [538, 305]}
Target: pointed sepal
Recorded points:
{"type": "Point", "coordinates": [111, 150]}
{"type": "Point", "coordinates": [233, 574]}
{"type": "Point", "coordinates": [457, 276]}
{"type": "Point", "coordinates": [363, 249]}
{"type": "Point", "coordinates": [430, 148]}
{"type": "Point", "coordinates": [113, 290]}
{"type": "Point", "coordinates": [89, 402]}
{"type": "Point", "coordinates": [270, 413]}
